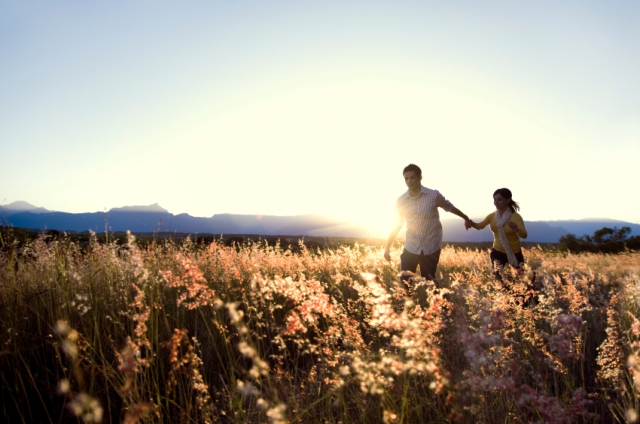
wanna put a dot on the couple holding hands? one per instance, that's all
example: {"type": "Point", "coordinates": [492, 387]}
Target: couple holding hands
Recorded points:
{"type": "Point", "coordinates": [418, 207]}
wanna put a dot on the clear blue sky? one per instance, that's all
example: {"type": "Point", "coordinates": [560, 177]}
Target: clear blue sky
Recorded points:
{"type": "Point", "coordinates": [315, 107]}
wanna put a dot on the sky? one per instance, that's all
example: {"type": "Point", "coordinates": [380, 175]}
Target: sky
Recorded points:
{"type": "Point", "coordinates": [288, 108]}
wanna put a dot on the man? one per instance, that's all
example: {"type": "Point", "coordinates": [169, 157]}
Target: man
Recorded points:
{"type": "Point", "coordinates": [419, 208]}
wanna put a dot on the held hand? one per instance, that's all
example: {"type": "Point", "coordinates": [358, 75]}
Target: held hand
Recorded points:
{"type": "Point", "coordinates": [468, 224]}
{"type": "Point", "coordinates": [512, 225]}
{"type": "Point", "coordinates": [387, 256]}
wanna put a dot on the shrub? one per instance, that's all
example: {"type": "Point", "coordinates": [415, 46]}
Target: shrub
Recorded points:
{"type": "Point", "coordinates": [184, 332]}
{"type": "Point", "coordinates": [604, 240]}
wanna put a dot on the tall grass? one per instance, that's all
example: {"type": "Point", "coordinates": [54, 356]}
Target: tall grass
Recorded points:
{"type": "Point", "coordinates": [255, 333]}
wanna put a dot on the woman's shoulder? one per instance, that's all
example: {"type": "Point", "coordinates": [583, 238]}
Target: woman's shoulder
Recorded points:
{"type": "Point", "coordinates": [516, 215]}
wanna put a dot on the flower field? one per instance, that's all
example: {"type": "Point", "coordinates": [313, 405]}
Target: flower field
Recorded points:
{"type": "Point", "coordinates": [207, 333]}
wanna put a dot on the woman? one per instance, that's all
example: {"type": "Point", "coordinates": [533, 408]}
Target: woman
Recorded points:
{"type": "Point", "coordinates": [507, 227]}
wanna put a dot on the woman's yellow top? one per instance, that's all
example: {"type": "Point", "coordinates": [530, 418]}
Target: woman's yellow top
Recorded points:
{"type": "Point", "coordinates": [514, 236]}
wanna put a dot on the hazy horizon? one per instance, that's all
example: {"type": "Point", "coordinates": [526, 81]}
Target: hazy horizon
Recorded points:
{"type": "Point", "coordinates": [443, 214]}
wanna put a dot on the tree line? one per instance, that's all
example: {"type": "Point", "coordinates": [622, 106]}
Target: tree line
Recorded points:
{"type": "Point", "coordinates": [604, 240]}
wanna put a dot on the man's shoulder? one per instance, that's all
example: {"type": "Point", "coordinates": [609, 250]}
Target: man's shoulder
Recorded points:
{"type": "Point", "coordinates": [429, 190]}
{"type": "Point", "coordinates": [431, 194]}
{"type": "Point", "coordinates": [404, 196]}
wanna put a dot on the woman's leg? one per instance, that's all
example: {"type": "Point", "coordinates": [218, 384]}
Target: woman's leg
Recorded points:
{"type": "Point", "coordinates": [531, 295]}
{"type": "Point", "coordinates": [498, 261]}
{"type": "Point", "coordinates": [520, 258]}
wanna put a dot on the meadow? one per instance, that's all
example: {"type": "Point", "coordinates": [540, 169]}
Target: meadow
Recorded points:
{"type": "Point", "coordinates": [181, 331]}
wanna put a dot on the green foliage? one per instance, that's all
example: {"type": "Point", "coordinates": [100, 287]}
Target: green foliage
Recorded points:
{"type": "Point", "coordinates": [604, 240]}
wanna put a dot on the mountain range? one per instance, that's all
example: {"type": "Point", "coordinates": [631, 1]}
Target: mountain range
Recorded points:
{"type": "Point", "coordinates": [155, 218]}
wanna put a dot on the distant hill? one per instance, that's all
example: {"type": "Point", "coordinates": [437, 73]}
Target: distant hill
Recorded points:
{"type": "Point", "coordinates": [588, 226]}
{"type": "Point", "coordinates": [21, 206]}
{"type": "Point", "coordinates": [155, 218]}
{"type": "Point", "coordinates": [151, 208]}
{"type": "Point", "coordinates": [539, 231]}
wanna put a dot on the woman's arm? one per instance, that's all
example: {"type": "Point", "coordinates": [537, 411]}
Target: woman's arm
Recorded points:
{"type": "Point", "coordinates": [520, 230]}
{"type": "Point", "coordinates": [484, 223]}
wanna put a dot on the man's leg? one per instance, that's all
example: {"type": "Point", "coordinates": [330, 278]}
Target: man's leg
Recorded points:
{"type": "Point", "coordinates": [408, 262]}
{"type": "Point", "coordinates": [429, 265]}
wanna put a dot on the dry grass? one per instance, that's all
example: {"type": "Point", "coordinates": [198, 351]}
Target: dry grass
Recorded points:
{"type": "Point", "coordinates": [208, 333]}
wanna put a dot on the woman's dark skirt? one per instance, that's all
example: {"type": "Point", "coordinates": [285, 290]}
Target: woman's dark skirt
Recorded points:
{"type": "Point", "coordinates": [499, 258]}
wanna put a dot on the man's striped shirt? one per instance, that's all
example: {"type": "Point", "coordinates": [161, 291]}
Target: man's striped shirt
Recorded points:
{"type": "Point", "coordinates": [424, 230]}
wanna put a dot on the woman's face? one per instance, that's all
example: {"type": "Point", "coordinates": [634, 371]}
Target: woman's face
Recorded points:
{"type": "Point", "coordinates": [500, 202]}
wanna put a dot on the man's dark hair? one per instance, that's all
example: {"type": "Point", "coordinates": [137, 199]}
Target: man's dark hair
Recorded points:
{"type": "Point", "coordinates": [414, 168]}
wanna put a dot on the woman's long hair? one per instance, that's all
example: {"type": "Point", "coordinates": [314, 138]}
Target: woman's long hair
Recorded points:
{"type": "Point", "coordinates": [506, 193]}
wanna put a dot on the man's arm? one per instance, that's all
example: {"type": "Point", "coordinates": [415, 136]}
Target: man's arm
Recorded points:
{"type": "Point", "coordinates": [392, 236]}
{"type": "Point", "coordinates": [467, 222]}
{"type": "Point", "coordinates": [457, 211]}
{"type": "Point", "coordinates": [448, 206]}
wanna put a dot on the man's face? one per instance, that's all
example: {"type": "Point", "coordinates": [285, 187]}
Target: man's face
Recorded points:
{"type": "Point", "coordinates": [412, 180]}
